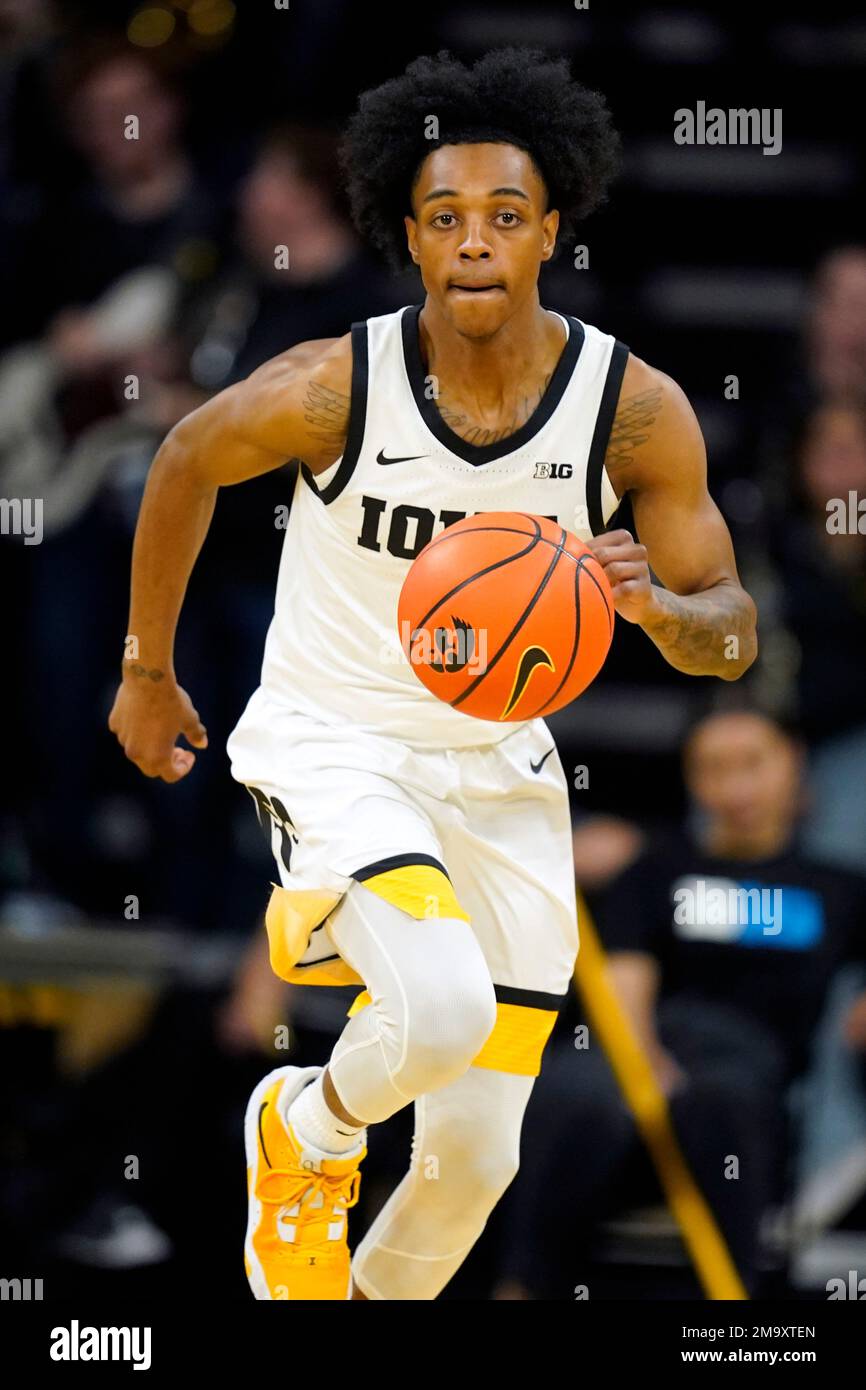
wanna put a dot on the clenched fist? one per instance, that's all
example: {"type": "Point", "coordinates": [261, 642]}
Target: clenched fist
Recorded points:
{"type": "Point", "coordinates": [146, 718]}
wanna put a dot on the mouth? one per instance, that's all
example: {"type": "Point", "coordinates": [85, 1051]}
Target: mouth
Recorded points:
{"type": "Point", "coordinates": [476, 289]}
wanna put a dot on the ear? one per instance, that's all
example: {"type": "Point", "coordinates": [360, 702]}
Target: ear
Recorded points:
{"type": "Point", "coordinates": [412, 237]}
{"type": "Point", "coordinates": [550, 229]}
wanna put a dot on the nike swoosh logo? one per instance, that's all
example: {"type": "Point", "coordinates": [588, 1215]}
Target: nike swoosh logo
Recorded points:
{"type": "Point", "coordinates": [262, 1108]}
{"type": "Point", "coordinates": [531, 658]}
{"type": "Point", "coordinates": [380, 458]}
{"type": "Point", "coordinates": [536, 767]}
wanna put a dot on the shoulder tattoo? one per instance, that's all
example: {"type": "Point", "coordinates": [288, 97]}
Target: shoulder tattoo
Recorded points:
{"type": "Point", "coordinates": [327, 411]}
{"type": "Point", "coordinates": [631, 427]}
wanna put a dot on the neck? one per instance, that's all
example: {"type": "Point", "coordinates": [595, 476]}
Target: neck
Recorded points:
{"type": "Point", "coordinates": [491, 372]}
{"type": "Point", "coordinates": [150, 193]}
{"type": "Point", "coordinates": [728, 842]}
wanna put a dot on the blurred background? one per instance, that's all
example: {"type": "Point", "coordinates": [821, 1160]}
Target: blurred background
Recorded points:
{"type": "Point", "coordinates": [138, 279]}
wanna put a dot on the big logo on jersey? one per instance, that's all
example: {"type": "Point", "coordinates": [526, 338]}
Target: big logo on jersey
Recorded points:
{"type": "Point", "coordinates": [410, 528]}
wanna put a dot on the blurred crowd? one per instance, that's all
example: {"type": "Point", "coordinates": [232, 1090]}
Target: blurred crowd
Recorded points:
{"type": "Point", "coordinates": [136, 284]}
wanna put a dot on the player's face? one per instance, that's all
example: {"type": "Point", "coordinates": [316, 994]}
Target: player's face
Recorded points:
{"type": "Point", "coordinates": [480, 232]}
{"type": "Point", "coordinates": [744, 772]}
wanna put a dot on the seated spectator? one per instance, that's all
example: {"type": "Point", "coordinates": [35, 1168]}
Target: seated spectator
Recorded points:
{"type": "Point", "coordinates": [826, 361]}
{"type": "Point", "coordinates": [819, 550]}
{"type": "Point", "coordinates": [134, 197]}
{"type": "Point", "coordinates": [723, 990]}
{"type": "Point", "coordinates": [835, 339]}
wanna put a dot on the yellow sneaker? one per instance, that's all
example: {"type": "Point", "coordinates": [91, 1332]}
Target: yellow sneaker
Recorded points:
{"type": "Point", "coordinates": [298, 1196]}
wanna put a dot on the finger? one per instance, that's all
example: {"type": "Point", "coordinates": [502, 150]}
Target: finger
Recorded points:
{"type": "Point", "coordinates": [625, 587]}
{"type": "Point", "coordinates": [629, 550]}
{"type": "Point", "coordinates": [182, 762]}
{"type": "Point", "coordinates": [154, 766]}
{"type": "Point", "coordinates": [611, 539]}
{"type": "Point", "coordinates": [621, 570]}
{"type": "Point", "coordinates": [621, 554]}
{"type": "Point", "coordinates": [627, 590]}
{"type": "Point", "coordinates": [195, 733]}
{"type": "Point", "coordinates": [136, 756]}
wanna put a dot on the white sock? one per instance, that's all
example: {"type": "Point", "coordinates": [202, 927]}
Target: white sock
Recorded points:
{"type": "Point", "coordinates": [317, 1124]}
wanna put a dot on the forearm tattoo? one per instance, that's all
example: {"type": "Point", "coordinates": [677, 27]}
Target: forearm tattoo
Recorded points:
{"type": "Point", "coordinates": [136, 669]}
{"type": "Point", "coordinates": [706, 634]}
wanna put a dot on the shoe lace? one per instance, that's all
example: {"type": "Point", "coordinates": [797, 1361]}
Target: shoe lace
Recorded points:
{"type": "Point", "coordinates": [285, 1187]}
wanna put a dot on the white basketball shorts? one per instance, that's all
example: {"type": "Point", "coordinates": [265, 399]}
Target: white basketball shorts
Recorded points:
{"type": "Point", "coordinates": [346, 805]}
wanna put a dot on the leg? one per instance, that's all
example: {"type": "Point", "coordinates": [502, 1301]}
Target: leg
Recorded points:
{"type": "Point", "coordinates": [431, 1008]}
{"type": "Point", "coordinates": [464, 1155]}
{"type": "Point", "coordinates": [334, 1104]}
{"type": "Point", "coordinates": [432, 1003]}
{"type": "Point", "coordinates": [506, 834]}
{"type": "Point", "coordinates": [577, 1140]}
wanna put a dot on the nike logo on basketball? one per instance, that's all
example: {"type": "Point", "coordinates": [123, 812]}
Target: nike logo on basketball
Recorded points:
{"type": "Point", "coordinates": [380, 458]}
{"type": "Point", "coordinates": [536, 767]}
{"type": "Point", "coordinates": [531, 659]}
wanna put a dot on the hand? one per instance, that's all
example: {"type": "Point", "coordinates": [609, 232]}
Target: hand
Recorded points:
{"type": "Point", "coordinates": [74, 340]}
{"type": "Point", "coordinates": [667, 1070]}
{"type": "Point", "coordinates": [247, 1020]}
{"type": "Point", "coordinates": [625, 564]}
{"type": "Point", "coordinates": [147, 717]}
{"type": "Point", "coordinates": [854, 1023]}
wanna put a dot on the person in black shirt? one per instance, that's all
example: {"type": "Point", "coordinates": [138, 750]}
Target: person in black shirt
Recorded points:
{"type": "Point", "coordinates": [818, 546]}
{"type": "Point", "coordinates": [722, 944]}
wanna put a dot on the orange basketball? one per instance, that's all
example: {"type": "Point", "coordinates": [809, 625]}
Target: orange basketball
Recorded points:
{"type": "Point", "coordinates": [506, 616]}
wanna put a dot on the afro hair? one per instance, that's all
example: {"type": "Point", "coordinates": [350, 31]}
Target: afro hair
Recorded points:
{"type": "Point", "coordinates": [519, 96]}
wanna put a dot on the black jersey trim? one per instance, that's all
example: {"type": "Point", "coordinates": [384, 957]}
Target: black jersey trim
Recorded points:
{"type": "Point", "coordinates": [396, 861]}
{"type": "Point", "coordinates": [486, 453]}
{"type": "Point", "coordinates": [601, 436]}
{"type": "Point", "coordinates": [529, 998]}
{"type": "Point", "coordinates": [357, 420]}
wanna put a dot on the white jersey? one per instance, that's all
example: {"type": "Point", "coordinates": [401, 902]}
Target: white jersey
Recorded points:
{"type": "Point", "coordinates": [333, 650]}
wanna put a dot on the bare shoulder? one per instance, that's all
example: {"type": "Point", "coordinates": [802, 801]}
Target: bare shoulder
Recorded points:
{"type": "Point", "coordinates": [303, 396]}
{"type": "Point", "coordinates": [654, 428]}
{"type": "Point", "coordinates": [332, 355]}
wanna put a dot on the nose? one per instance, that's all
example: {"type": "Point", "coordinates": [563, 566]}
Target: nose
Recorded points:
{"type": "Point", "coordinates": [474, 247]}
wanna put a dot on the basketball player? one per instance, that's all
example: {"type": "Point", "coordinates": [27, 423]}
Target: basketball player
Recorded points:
{"type": "Point", "coordinates": [423, 854]}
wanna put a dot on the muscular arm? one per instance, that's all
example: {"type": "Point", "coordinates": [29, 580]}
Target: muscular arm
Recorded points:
{"type": "Point", "coordinates": [702, 620]}
{"type": "Point", "coordinates": [295, 406]}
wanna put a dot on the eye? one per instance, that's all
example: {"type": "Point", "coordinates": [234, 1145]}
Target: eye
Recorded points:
{"type": "Point", "coordinates": [512, 215]}
{"type": "Point", "coordinates": [435, 219]}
